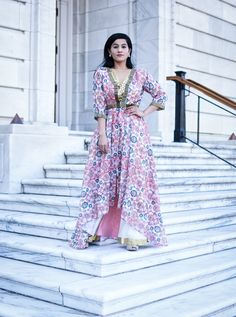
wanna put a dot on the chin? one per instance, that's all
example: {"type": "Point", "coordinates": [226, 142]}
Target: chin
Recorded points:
{"type": "Point", "coordinates": [121, 59]}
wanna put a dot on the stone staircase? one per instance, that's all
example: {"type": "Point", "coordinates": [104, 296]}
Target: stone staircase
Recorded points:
{"type": "Point", "coordinates": [194, 276]}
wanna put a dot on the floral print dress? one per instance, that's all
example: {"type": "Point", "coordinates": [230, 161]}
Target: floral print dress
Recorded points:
{"type": "Point", "coordinates": [120, 192]}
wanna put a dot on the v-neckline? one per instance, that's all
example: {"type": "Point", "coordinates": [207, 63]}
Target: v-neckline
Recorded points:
{"type": "Point", "coordinates": [115, 83]}
{"type": "Point", "coordinates": [116, 79]}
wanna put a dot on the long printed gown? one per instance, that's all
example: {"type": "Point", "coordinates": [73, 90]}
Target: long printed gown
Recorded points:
{"type": "Point", "coordinates": [120, 193]}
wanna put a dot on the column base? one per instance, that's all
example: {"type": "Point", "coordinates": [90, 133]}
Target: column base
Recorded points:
{"type": "Point", "coordinates": [24, 149]}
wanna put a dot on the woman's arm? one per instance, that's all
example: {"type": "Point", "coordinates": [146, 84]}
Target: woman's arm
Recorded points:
{"type": "Point", "coordinates": [134, 110]}
{"type": "Point", "coordinates": [159, 98]}
{"type": "Point", "coordinates": [99, 109]}
{"type": "Point", "coordinates": [102, 138]}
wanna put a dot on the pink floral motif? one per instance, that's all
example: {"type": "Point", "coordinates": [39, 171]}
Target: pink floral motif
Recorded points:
{"type": "Point", "coordinates": [128, 169]}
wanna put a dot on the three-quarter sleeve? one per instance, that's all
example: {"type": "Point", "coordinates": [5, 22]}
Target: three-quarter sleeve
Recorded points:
{"type": "Point", "coordinates": [99, 104]}
{"type": "Point", "coordinates": [154, 89]}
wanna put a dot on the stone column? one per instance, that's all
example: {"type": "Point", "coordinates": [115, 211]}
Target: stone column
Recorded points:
{"type": "Point", "coordinates": [41, 62]}
{"type": "Point", "coordinates": [166, 65]}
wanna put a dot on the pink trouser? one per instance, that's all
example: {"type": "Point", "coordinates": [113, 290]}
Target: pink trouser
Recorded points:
{"type": "Point", "coordinates": [110, 223]}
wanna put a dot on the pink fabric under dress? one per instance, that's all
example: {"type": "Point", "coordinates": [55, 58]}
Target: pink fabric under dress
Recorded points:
{"type": "Point", "coordinates": [120, 187]}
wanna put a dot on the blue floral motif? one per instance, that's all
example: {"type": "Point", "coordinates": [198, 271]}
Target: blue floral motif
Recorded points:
{"type": "Point", "coordinates": [133, 193]}
{"type": "Point", "coordinates": [84, 205]}
{"type": "Point", "coordinates": [150, 152]}
{"type": "Point", "coordinates": [133, 139]}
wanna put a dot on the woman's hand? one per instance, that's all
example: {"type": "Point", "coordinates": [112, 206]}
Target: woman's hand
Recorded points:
{"type": "Point", "coordinates": [102, 143]}
{"type": "Point", "coordinates": [134, 110]}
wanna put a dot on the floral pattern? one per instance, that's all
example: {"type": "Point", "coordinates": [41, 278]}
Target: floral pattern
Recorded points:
{"type": "Point", "coordinates": [128, 169]}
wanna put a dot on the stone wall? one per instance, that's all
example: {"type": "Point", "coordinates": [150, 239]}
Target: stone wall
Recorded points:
{"type": "Point", "coordinates": [94, 21]}
{"type": "Point", "coordinates": [27, 60]}
{"type": "Point", "coordinates": [205, 46]}
{"type": "Point", "coordinates": [195, 36]}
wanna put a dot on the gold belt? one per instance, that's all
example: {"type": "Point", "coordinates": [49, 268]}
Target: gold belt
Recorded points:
{"type": "Point", "coordinates": [120, 105]}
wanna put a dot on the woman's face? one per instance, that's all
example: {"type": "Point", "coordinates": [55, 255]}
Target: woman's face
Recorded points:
{"type": "Point", "coordinates": [119, 50]}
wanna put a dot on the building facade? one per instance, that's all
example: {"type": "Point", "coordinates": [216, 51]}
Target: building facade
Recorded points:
{"type": "Point", "coordinates": [49, 50]}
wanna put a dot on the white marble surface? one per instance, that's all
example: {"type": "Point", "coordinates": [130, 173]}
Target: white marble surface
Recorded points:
{"type": "Point", "coordinates": [98, 295]}
{"type": "Point", "coordinates": [186, 221]}
{"type": "Point", "coordinates": [184, 185]}
{"type": "Point", "coordinates": [37, 148]}
{"type": "Point", "coordinates": [45, 225]}
{"type": "Point", "coordinates": [166, 167]}
{"type": "Point", "coordinates": [38, 275]}
{"type": "Point", "coordinates": [214, 300]}
{"type": "Point", "coordinates": [13, 305]}
{"type": "Point", "coordinates": [201, 200]}
{"type": "Point", "coordinates": [57, 205]}
{"type": "Point", "coordinates": [183, 156]}
{"type": "Point", "coordinates": [72, 187]}
{"type": "Point", "coordinates": [62, 187]}
{"type": "Point", "coordinates": [149, 274]}
{"type": "Point", "coordinates": [55, 226]}
{"type": "Point", "coordinates": [112, 259]}
{"type": "Point", "coordinates": [68, 171]}
{"type": "Point", "coordinates": [60, 205]}
{"type": "Point", "coordinates": [155, 283]}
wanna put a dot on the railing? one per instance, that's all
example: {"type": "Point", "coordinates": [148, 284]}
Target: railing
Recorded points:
{"type": "Point", "coordinates": [180, 117]}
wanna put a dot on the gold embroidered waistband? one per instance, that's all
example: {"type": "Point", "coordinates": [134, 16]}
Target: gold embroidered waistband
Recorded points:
{"type": "Point", "coordinates": [120, 105]}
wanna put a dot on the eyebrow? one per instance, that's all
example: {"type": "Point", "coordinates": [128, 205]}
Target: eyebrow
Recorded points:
{"type": "Point", "coordinates": [119, 44]}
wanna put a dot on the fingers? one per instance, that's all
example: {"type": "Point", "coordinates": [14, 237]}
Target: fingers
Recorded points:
{"type": "Point", "coordinates": [103, 148]}
{"type": "Point", "coordinates": [102, 144]}
{"type": "Point", "coordinates": [133, 110]}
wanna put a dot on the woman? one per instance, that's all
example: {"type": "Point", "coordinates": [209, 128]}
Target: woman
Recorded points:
{"type": "Point", "coordinates": [120, 194]}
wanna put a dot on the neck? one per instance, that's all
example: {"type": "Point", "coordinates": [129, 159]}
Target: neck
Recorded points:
{"type": "Point", "coordinates": [120, 66]}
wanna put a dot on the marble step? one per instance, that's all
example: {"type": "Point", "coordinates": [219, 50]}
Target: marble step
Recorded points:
{"type": "Point", "coordinates": [203, 302]}
{"type": "Point", "coordinates": [76, 171]}
{"type": "Point", "coordinates": [208, 301]}
{"type": "Point", "coordinates": [189, 221]}
{"type": "Point", "coordinates": [226, 147]}
{"type": "Point", "coordinates": [110, 258]}
{"type": "Point", "coordinates": [193, 171]}
{"type": "Point", "coordinates": [118, 292]}
{"type": "Point", "coordinates": [60, 187]}
{"type": "Point", "coordinates": [198, 200]}
{"type": "Point", "coordinates": [68, 171]}
{"type": "Point", "coordinates": [16, 305]}
{"type": "Point", "coordinates": [220, 148]}
{"type": "Point", "coordinates": [183, 185]}
{"type": "Point", "coordinates": [158, 147]}
{"type": "Point", "coordinates": [56, 227]}
{"type": "Point", "coordinates": [192, 158]}
{"type": "Point", "coordinates": [163, 158]}
{"type": "Point", "coordinates": [61, 227]}
{"type": "Point", "coordinates": [72, 187]}
{"type": "Point", "coordinates": [69, 206]}
{"type": "Point", "coordinates": [227, 151]}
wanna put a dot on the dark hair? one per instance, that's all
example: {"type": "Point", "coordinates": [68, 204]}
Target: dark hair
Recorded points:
{"type": "Point", "coordinates": [108, 61]}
